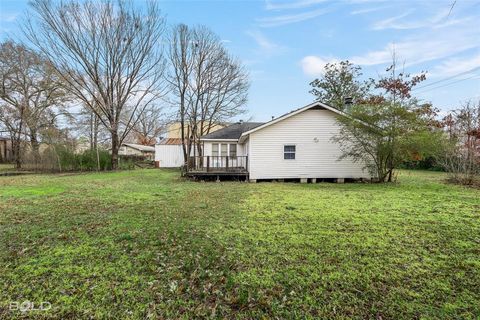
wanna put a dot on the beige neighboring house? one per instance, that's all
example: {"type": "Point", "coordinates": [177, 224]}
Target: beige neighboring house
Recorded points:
{"type": "Point", "coordinates": [174, 130]}
{"type": "Point", "coordinates": [132, 149]}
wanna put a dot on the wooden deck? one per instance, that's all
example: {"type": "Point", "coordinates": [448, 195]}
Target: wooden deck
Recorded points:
{"type": "Point", "coordinates": [217, 166]}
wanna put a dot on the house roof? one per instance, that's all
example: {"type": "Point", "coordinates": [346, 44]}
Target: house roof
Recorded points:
{"type": "Point", "coordinates": [171, 141]}
{"type": "Point", "coordinates": [316, 104]}
{"type": "Point", "coordinates": [232, 132]}
{"type": "Point", "coordinates": [140, 147]}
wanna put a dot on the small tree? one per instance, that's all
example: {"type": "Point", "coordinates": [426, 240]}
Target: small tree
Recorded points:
{"type": "Point", "coordinates": [340, 81]}
{"type": "Point", "coordinates": [382, 136]}
{"type": "Point", "coordinates": [383, 131]}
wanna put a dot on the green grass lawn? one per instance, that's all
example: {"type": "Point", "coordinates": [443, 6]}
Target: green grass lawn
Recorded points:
{"type": "Point", "coordinates": [144, 243]}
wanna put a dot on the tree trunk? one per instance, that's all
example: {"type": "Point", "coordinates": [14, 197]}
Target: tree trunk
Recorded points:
{"type": "Point", "coordinates": [35, 148]}
{"type": "Point", "coordinates": [16, 153]}
{"type": "Point", "coordinates": [115, 147]}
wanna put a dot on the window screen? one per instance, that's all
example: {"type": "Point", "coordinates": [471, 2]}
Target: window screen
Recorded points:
{"type": "Point", "coordinates": [233, 150]}
{"type": "Point", "coordinates": [289, 152]}
{"type": "Point", "coordinates": [215, 149]}
{"type": "Point", "coordinates": [224, 150]}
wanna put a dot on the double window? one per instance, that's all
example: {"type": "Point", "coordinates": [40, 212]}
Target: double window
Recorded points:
{"type": "Point", "coordinates": [289, 152]}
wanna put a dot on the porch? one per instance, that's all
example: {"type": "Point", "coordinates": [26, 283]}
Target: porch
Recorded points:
{"type": "Point", "coordinates": [212, 166]}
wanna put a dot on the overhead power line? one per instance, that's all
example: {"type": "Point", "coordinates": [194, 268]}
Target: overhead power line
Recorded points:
{"type": "Point", "coordinates": [448, 78]}
{"type": "Point", "coordinates": [447, 84]}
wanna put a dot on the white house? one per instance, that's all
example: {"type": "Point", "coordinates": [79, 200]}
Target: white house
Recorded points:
{"type": "Point", "coordinates": [296, 145]}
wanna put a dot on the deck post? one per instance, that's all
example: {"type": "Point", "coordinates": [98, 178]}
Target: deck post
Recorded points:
{"type": "Point", "coordinates": [246, 163]}
{"type": "Point", "coordinates": [253, 180]}
{"type": "Point", "coordinates": [340, 180]}
{"type": "Point", "coordinates": [208, 163]}
{"type": "Point", "coordinates": [314, 180]}
{"type": "Point", "coordinates": [226, 163]}
{"type": "Point", "coordinates": [303, 180]}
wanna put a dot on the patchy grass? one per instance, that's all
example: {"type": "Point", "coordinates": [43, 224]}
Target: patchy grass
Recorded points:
{"type": "Point", "coordinates": [144, 243]}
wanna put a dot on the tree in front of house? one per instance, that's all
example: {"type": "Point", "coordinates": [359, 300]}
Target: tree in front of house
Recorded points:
{"type": "Point", "coordinates": [387, 129]}
{"type": "Point", "coordinates": [338, 82]}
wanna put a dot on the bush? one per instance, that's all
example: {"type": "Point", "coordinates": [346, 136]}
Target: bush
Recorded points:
{"type": "Point", "coordinates": [60, 158]}
{"type": "Point", "coordinates": [429, 163]}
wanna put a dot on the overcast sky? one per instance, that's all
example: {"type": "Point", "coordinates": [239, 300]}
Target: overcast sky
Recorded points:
{"type": "Point", "coordinates": [285, 44]}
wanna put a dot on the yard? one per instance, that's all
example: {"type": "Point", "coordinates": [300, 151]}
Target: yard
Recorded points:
{"type": "Point", "coordinates": [144, 243]}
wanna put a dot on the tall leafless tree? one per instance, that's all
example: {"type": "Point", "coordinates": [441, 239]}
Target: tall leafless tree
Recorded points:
{"type": "Point", "coordinates": [30, 89]}
{"type": "Point", "coordinates": [108, 54]}
{"type": "Point", "coordinates": [210, 86]}
{"type": "Point", "coordinates": [180, 56]}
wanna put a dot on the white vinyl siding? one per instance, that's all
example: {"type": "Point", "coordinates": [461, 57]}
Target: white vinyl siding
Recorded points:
{"type": "Point", "coordinates": [316, 156]}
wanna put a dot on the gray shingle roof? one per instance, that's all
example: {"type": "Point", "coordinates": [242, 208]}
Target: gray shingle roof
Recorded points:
{"type": "Point", "coordinates": [233, 131]}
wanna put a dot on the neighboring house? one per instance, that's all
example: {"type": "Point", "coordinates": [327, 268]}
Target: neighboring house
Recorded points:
{"type": "Point", "coordinates": [6, 154]}
{"type": "Point", "coordinates": [174, 130]}
{"type": "Point", "coordinates": [296, 145]}
{"type": "Point", "coordinates": [132, 149]}
{"type": "Point", "coordinates": [169, 151]}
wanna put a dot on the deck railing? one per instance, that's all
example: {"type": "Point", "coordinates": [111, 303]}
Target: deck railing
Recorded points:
{"type": "Point", "coordinates": [218, 164]}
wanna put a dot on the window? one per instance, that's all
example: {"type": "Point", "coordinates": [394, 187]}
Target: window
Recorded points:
{"type": "Point", "coordinates": [214, 149]}
{"type": "Point", "coordinates": [289, 152]}
{"type": "Point", "coordinates": [233, 150]}
{"type": "Point", "coordinates": [224, 150]}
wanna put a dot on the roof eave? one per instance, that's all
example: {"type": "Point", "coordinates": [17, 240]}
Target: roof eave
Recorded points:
{"type": "Point", "coordinates": [212, 139]}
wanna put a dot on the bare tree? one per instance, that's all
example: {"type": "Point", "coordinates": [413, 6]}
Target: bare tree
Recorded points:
{"type": "Point", "coordinates": [212, 86]}
{"type": "Point", "coordinates": [30, 89]}
{"type": "Point", "coordinates": [108, 55]}
{"type": "Point", "coordinates": [180, 56]}
{"type": "Point", "coordinates": [149, 126]}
